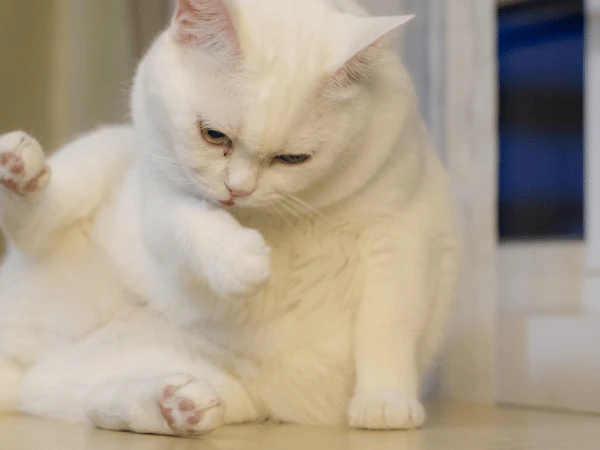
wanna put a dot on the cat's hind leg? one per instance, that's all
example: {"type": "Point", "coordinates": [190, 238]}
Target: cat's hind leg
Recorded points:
{"type": "Point", "coordinates": [41, 200]}
{"type": "Point", "coordinates": [138, 375]}
{"type": "Point", "coordinates": [178, 405]}
{"type": "Point", "coordinates": [24, 175]}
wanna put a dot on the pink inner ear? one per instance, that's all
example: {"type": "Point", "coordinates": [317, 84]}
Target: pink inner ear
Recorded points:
{"type": "Point", "coordinates": [206, 23]}
{"type": "Point", "coordinates": [355, 70]}
{"type": "Point", "coordinates": [370, 41]}
{"type": "Point", "coordinates": [358, 68]}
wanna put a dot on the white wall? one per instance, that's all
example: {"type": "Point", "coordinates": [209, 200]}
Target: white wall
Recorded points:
{"type": "Point", "coordinates": [469, 126]}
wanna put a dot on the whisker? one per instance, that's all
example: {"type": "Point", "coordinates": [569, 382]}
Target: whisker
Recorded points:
{"type": "Point", "coordinates": [281, 215]}
{"type": "Point", "coordinates": [154, 144]}
{"type": "Point", "coordinates": [290, 209]}
{"type": "Point", "coordinates": [305, 205]}
{"type": "Point", "coordinates": [299, 208]}
{"type": "Point", "coordinates": [160, 158]}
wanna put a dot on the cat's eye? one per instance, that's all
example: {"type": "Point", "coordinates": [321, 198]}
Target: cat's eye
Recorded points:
{"type": "Point", "coordinates": [291, 159]}
{"type": "Point", "coordinates": [215, 137]}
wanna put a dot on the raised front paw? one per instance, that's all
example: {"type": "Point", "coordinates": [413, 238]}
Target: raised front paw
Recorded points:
{"type": "Point", "coordinates": [191, 407]}
{"type": "Point", "coordinates": [23, 168]}
{"type": "Point", "coordinates": [386, 410]}
{"type": "Point", "coordinates": [244, 265]}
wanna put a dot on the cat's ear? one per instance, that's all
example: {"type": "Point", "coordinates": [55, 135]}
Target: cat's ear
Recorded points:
{"type": "Point", "coordinates": [206, 25]}
{"type": "Point", "coordinates": [369, 36]}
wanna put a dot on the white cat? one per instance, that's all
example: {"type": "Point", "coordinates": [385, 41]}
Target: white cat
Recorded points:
{"type": "Point", "coordinates": [131, 295]}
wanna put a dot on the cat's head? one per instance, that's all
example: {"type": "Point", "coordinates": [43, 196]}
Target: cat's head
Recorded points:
{"type": "Point", "coordinates": [254, 103]}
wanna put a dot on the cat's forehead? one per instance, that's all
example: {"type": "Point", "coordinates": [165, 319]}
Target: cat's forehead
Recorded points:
{"type": "Point", "coordinates": [287, 53]}
{"type": "Point", "coordinates": [288, 38]}
{"type": "Point", "coordinates": [274, 111]}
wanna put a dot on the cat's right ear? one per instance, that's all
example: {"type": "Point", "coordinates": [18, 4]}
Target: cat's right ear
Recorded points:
{"type": "Point", "coordinates": [207, 26]}
{"type": "Point", "coordinates": [361, 50]}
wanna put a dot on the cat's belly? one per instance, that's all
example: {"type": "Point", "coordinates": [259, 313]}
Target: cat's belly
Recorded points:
{"type": "Point", "coordinates": [302, 368]}
{"type": "Point", "coordinates": [294, 343]}
{"type": "Point", "coordinates": [312, 378]}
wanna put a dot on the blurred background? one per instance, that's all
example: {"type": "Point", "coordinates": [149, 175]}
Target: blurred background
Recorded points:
{"type": "Point", "coordinates": [67, 64]}
{"type": "Point", "coordinates": [541, 62]}
{"type": "Point", "coordinates": [509, 90]}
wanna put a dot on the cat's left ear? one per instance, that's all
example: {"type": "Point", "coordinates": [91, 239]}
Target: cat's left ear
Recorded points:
{"type": "Point", "coordinates": [206, 25]}
{"type": "Point", "coordinates": [368, 36]}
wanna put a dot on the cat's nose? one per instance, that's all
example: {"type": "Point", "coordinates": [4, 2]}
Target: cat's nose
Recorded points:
{"type": "Point", "coordinates": [235, 193]}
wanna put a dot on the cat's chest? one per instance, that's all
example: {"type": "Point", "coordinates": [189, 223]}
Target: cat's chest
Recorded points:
{"type": "Point", "coordinates": [309, 302]}
{"type": "Point", "coordinates": [316, 268]}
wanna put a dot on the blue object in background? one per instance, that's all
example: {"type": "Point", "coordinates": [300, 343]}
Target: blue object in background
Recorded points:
{"type": "Point", "coordinates": [541, 56]}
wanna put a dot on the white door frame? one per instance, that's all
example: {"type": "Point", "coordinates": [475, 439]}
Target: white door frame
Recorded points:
{"type": "Point", "coordinates": [464, 75]}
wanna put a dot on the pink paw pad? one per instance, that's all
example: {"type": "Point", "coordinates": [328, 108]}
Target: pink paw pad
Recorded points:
{"type": "Point", "coordinates": [179, 412]}
{"type": "Point", "coordinates": [11, 185]}
{"type": "Point", "coordinates": [13, 163]}
{"type": "Point", "coordinates": [6, 158]}
{"type": "Point", "coordinates": [22, 164]}
{"type": "Point", "coordinates": [190, 409]}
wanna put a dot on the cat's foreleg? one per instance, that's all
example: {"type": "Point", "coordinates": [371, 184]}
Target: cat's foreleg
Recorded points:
{"type": "Point", "coordinates": [209, 242]}
{"type": "Point", "coordinates": [388, 327]}
{"type": "Point", "coordinates": [141, 375]}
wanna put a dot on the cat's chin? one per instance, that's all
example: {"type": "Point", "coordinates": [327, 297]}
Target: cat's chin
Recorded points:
{"type": "Point", "coordinates": [240, 203]}
{"type": "Point", "coordinates": [227, 203]}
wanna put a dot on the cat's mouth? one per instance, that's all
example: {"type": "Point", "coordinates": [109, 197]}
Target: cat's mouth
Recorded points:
{"type": "Point", "coordinates": [227, 203]}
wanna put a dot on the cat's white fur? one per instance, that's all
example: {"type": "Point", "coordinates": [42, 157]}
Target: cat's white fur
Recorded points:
{"type": "Point", "coordinates": [132, 298]}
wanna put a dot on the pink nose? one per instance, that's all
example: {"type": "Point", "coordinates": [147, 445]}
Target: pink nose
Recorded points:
{"type": "Point", "coordinates": [238, 194]}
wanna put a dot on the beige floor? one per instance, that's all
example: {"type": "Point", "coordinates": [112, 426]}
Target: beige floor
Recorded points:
{"type": "Point", "coordinates": [450, 427]}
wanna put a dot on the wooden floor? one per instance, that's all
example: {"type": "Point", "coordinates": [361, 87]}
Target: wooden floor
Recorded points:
{"type": "Point", "coordinates": [451, 427]}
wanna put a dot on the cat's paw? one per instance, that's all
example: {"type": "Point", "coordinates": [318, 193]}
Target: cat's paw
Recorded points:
{"type": "Point", "coordinates": [243, 267]}
{"type": "Point", "coordinates": [191, 407]}
{"type": "Point", "coordinates": [386, 410]}
{"type": "Point", "coordinates": [23, 168]}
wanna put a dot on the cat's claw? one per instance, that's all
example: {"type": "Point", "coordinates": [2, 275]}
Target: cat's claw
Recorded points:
{"type": "Point", "coordinates": [386, 410]}
{"type": "Point", "coordinates": [190, 407]}
{"type": "Point", "coordinates": [243, 267]}
{"type": "Point", "coordinates": [23, 168]}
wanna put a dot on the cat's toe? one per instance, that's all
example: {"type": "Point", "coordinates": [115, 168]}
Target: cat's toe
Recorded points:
{"type": "Point", "coordinates": [386, 410]}
{"type": "Point", "coordinates": [23, 167]}
{"type": "Point", "coordinates": [254, 265]}
{"type": "Point", "coordinates": [191, 407]}
{"type": "Point", "coordinates": [245, 267]}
